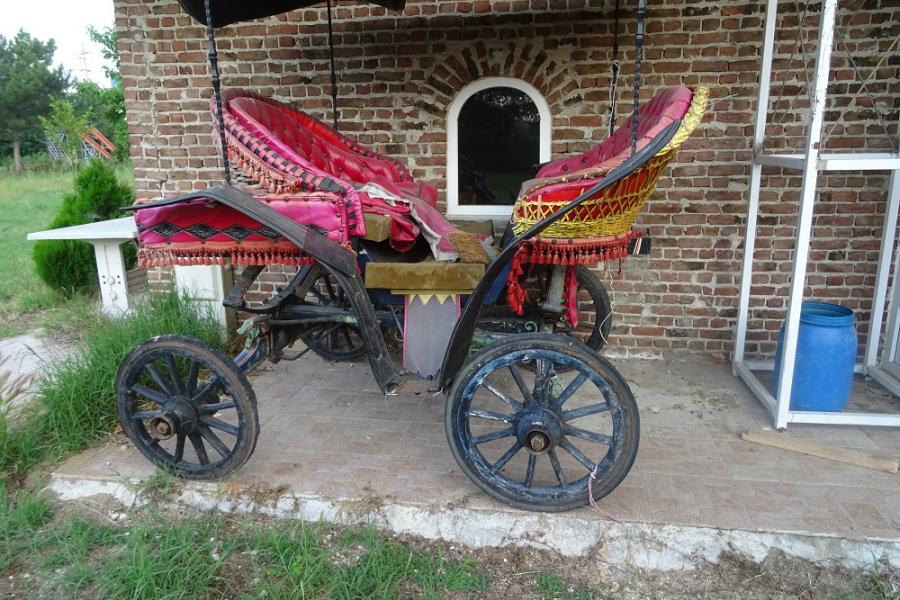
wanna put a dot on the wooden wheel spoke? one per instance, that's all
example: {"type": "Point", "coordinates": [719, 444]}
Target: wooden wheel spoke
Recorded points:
{"type": "Point", "coordinates": [577, 454]}
{"type": "Point", "coordinates": [220, 425]}
{"type": "Point", "coordinates": [329, 287]}
{"type": "Point", "coordinates": [208, 409]}
{"type": "Point", "coordinates": [557, 468]}
{"type": "Point", "coordinates": [319, 296]}
{"type": "Point", "coordinates": [327, 332]}
{"type": "Point", "coordinates": [507, 456]}
{"type": "Point", "coordinates": [523, 389]}
{"type": "Point", "coordinates": [347, 338]}
{"type": "Point", "coordinates": [491, 415]}
{"type": "Point", "coordinates": [542, 380]}
{"type": "Point", "coordinates": [208, 386]}
{"type": "Point", "coordinates": [193, 375]}
{"type": "Point", "coordinates": [174, 373]}
{"type": "Point", "coordinates": [179, 448]}
{"type": "Point", "coordinates": [149, 394]}
{"type": "Point", "coordinates": [214, 441]}
{"type": "Point", "coordinates": [199, 448]}
{"type": "Point", "coordinates": [589, 435]}
{"type": "Point", "coordinates": [332, 336]}
{"type": "Point", "coordinates": [513, 404]}
{"type": "Point", "coordinates": [494, 435]}
{"type": "Point", "coordinates": [146, 414]}
{"type": "Point", "coordinates": [529, 470]}
{"type": "Point", "coordinates": [158, 378]}
{"type": "Point", "coordinates": [570, 389]}
{"type": "Point", "coordinates": [584, 411]}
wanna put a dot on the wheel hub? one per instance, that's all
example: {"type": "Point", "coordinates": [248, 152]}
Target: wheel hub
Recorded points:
{"type": "Point", "coordinates": [162, 428]}
{"type": "Point", "coordinates": [179, 416]}
{"type": "Point", "coordinates": [537, 441]}
{"type": "Point", "coordinates": [539, 430]}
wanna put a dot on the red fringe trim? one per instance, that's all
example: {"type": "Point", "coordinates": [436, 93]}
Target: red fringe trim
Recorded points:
{"type": "Point", "coordinates": [550, 251]}
{"type": "Point", "coordinates": [159, 257]}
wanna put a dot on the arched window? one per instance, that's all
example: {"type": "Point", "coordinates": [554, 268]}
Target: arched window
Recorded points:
{"type": "Point", "coordinates": [498, 129]}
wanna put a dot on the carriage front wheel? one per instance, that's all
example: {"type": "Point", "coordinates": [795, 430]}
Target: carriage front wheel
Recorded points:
{"type": "Point", "coordinates": [186, 407]}
{"type": "Point", "coordinates": [537, 420]}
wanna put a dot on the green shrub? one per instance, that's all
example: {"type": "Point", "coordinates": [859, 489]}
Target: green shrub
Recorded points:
{"type": "Point", "coordinates": [68, 265]}
{"type": "Point", "coordinates": [98, 193]}
{"type": "Point", "coordinates": [65, 265]}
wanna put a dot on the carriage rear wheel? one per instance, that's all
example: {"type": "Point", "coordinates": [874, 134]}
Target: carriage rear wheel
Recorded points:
{"type": "Point", "coordinates": [532, 418]}
{"type": "Point", "coordinates": [334, 341]}
{"type": "Point", "coordinates": [593, 328]}
{"type": "Point", "coordinates": [186, 407]}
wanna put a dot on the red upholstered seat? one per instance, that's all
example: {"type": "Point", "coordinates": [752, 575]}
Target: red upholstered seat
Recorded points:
{"type": "Point", "coordinates": [288, 151]}
{"type": "Point", "coordinates": [301, 139]}
{"type": "Point", "coordinates": [669, 105]}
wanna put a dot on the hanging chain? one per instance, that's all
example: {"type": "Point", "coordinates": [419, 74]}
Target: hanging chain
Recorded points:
{"type": "Point", "coordinates": [614, 74]}
{"type": "Point", "coordinates": [639, 50]}
{"type": "Point", "coordinates": [217, 91]}
{"type": "Point", "coordinates": [334, 92]}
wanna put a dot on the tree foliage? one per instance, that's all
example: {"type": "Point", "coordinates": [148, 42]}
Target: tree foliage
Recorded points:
{"type": "Point", "coordinates": [109, 49]}
{"type": "Point", "coordinates": [65, 126]}
{"type": "Point", "coordinates": [28, 84]}
{"type": "Point", "coordinates": [107, 104]}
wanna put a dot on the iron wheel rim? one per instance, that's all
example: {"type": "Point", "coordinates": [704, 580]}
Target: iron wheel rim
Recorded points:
{"type": "Point", "coordinates": [212, 400]}
{"type": "Point", "coordinates": [495, 477]}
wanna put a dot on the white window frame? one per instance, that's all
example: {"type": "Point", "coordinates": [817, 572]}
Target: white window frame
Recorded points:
{"type": "Point", "coordinates": [454, 209]}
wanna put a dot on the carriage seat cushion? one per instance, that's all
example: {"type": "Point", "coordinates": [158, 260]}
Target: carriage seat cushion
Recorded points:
{"type": "Point", "coordinates": [300, 138]}
{"type": "Point", "coordinates": [655, 115]}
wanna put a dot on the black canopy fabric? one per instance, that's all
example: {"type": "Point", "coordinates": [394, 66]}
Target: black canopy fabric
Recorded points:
{"type": "Point", "coordinates": [226, 12]}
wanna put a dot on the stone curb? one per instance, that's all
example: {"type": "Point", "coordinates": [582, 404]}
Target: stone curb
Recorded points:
{"type": "Point", "coordinates": [626, 544]}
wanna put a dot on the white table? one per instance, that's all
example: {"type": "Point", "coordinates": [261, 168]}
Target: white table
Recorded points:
{"type": "Point", "coordinates": [204, 284]}
{"type": "Point", "coordinates": [107, 238]}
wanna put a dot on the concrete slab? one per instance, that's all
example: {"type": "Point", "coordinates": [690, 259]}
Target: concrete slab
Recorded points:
{"type": "Point", "coordinates": [23, 356]}
{"type": "Point", "coordinates": [329, 440]}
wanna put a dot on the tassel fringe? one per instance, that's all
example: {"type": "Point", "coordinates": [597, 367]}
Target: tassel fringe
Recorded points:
{"type": "Point", "coordinates": [548, 251]}
{"type": "Point", "coordinates": [159, 257]}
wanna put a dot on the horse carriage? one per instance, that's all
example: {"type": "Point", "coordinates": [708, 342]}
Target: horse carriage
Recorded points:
{"type": "Point", "coordinates": [508, 328]}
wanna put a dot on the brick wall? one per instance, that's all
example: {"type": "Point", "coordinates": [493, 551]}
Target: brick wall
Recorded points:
{"type": "Point", "coordinates": [399, 72]}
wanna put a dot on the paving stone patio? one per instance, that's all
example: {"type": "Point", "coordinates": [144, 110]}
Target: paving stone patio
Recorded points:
{"type": "Point", "coordinates": [328, 431]}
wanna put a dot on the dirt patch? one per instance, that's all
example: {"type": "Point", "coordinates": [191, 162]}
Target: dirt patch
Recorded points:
{"type": "Point", "coordinates": [525, 572]}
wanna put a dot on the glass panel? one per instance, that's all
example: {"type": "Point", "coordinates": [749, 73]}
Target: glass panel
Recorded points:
{"type": "Point", "coordinates": [499, 143]}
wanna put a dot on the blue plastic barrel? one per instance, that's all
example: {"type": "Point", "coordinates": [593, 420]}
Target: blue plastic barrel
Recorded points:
{"type": "Point", "coordinates": [826, 354]}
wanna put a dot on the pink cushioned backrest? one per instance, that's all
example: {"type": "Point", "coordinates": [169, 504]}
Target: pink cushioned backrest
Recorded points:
{"type": "Point", "coordinates": [667, 106]}
{"type": "Point", "coordinates": [299, 138]}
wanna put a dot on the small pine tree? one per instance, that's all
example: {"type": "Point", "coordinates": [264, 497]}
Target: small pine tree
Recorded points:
{"type": "Point", "coordinates": [68, 265]}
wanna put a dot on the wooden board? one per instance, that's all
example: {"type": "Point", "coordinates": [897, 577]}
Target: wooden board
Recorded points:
{"type": "Point", "coordinates": [852, 457]}
{"type": "Point", "coordinates": [474, 226]}
{"type": "Point", "coordinates": [426, 275]}
{"type": "Point", "coordinates": [378, 227]}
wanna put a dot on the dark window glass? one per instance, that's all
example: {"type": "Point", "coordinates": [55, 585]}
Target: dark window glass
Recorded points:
{"type": "Point", "coordinates": [499, 141]}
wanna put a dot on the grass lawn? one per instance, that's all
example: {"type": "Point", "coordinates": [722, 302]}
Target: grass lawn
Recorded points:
{"type": "Point", "coordinates": [27, 203]}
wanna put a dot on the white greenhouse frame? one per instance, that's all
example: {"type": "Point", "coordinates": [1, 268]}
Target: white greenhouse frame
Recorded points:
{"type": "Point", "coordinates": [810, 163]}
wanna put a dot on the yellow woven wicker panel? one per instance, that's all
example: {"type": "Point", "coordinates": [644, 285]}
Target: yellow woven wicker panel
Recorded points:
{"type": "Point", "coordinates": [613, 210]}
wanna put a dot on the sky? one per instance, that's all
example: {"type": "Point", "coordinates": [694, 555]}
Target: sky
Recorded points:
{"type": "Point", "coordinates": [66, 21]}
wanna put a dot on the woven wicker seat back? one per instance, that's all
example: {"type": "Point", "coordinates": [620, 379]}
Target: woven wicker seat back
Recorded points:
{"type": "Point", "coordinates": [612, 212]}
